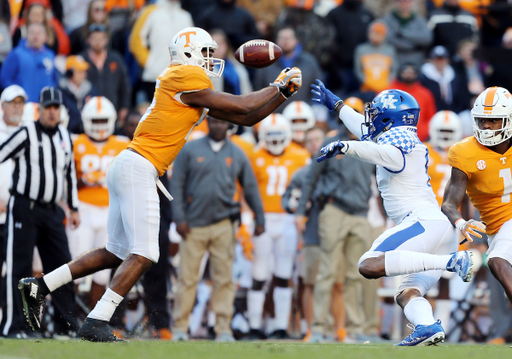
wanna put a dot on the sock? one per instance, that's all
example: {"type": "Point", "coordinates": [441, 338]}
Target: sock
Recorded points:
{"type": "Point", "coordinates": [443, 311]}
{"type": "Point", "coordinates": [212, 318]}
{"type": "Point", "coordinates": [387, 318]}
{"type": "Point", "coordinates": [43, 288]}
{"type": "Point", "coordinates": [303, 326]}
{"type": "Point", "coordinates": [106, 306]}
{"type": "Point", "coordinates": [407, 262]}
{"type": "Point", "coordinates": [255, 301]}
{"type": "Point", "coordinates": [58, 277]}
{"type": "Point", "coordinates": [419, 312]}
{"type": "Point", "coordinates": [283, 304]}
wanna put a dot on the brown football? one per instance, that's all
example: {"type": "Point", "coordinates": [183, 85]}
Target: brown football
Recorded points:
{"type": "Point", "coordinates": [258, 53]}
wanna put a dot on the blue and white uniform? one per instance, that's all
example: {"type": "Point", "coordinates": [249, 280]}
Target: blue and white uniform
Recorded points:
{"type": "Point", "coordinates": [409, 201]}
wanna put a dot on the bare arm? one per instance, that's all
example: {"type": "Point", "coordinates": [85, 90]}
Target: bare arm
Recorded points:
{"type": "Point", "coordinates": [244, 110]}
{"type": "Point", "coordinates": [454, 194]}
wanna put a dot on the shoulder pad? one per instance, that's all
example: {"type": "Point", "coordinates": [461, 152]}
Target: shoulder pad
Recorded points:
{"type": "Point", "coordinates": [402, 139]}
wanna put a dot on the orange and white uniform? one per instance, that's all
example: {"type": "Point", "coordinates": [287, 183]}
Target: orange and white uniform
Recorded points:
{"type": "Point", "coordinates": [91, 162]}
{"type": "Point", "coordinates": [275, 249]}
{"type": "Point", "coordinates": [489, 183]}
{"type": "Point", "coordinates": [489, 188]}
{"type": "Point", "coordinates": [167, 123]}
{"type": "Point", "coordinates": [132, 177]}
{"type": "Point", "coordinates": [438, 170]}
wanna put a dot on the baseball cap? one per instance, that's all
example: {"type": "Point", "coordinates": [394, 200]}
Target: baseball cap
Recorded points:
{"type": "Point", "coordinates": [76, 63]}
{"type": "Point", "coordinates": [11, 92]}
{"type": "Point", "coordinates": [50, 96]}
{"type": "Point", "coordinates": [439, 51]}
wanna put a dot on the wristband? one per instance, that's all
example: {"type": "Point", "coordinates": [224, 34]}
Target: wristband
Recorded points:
{"type": "Point", "coordinates": [460, 223]}
{"type": "Point", "coordinates": [337, 104]}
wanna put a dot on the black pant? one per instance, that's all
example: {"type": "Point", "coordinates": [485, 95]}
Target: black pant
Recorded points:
{"type": "Point", "coordinates": [42, 226]}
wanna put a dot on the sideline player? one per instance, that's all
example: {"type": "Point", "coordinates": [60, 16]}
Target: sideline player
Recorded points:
{"type": "Point", "coordinates": [94, 151]}
{"type": "Point", "coordinates": [420, 244]}
{"type": "Point", "coordinates": [481, 166]}
{"type": "Point", "coordinates": [183, 96]}
{"type": "Point", "coordinates": [274, 164]}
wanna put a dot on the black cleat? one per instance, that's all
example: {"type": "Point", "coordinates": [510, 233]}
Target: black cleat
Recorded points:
{"type": "Point", "coordinates": [254, 334]}
{"type": "Point", "coordinates": [279, 334]}
{"type": "Point", "coordinates": [33, 300]}
{"type": "Point", "coordinates": [95, 330]}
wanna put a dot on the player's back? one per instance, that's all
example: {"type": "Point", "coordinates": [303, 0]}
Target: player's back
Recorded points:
{"type": "Point", "coordinates": [91, 161]}
{"type": "Point", "coordinates": [489, 183]}
{"type": "Point", "coordinates": [163, 130]}
{"type": "Point", "coordinates": [274, 173]}
{"type": "Point", "coordinates": [409, 190]}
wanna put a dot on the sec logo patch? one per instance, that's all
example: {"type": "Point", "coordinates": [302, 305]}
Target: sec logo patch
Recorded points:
{"type": "Point", "coordinates": [481, 165]}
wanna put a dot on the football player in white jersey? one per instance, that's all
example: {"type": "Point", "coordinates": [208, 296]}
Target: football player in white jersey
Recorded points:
{"type": "Point", "coordinates": [421, 245]}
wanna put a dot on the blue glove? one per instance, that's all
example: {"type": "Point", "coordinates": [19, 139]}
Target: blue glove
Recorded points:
{"type": "Point", "coordinates": [332, 150]}
{"type": "Point", "coordinates": [323, 96]}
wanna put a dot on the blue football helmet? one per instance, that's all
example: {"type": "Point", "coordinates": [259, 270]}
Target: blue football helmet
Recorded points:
{"type": "Point", "coordinates": [390, 108]}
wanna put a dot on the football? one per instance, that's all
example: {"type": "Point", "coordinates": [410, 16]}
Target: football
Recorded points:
{"type": "Point", "coordinates": [258, 53]}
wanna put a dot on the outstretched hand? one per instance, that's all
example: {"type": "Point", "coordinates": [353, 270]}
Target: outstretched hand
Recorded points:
{"type": "Point", "coordinates": [331, 150]}
{"type": "Point", "coordinates": [324, 96]}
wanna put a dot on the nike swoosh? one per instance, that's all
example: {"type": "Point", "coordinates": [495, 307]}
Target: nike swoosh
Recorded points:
{"type": "Point", "coordinates": [249, 54]}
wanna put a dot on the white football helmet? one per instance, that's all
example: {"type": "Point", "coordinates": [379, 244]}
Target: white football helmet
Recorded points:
{"type": "Point", "coordinates": [301, 118]}
{"type": "Point", "coordinates": [99, 118]}
{"type": "Point", "coordinates": [186, 48]}
{"type": "Point", "coordinates": [494, 102]}
{"type": "Point", "coordinates": [275, 133]}
{"type": "Point", "coordinates": [445, 128]}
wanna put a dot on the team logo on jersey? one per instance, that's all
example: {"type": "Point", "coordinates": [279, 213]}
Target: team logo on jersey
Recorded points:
{"type": "Point", "coordinates": [229, 161]}
{"type": "Point", "coordinates": [260, 162]}
{"type": "Point", "coordinates": [81, 148]}
{"type": "Point", "coordinates": [503, 160]}
{"type": "Point", "coordinates": [481, 165]}
{"type": "Point", "coordinates": [200, 159]}
{"type": "Point", "coordinates": [389, 101]}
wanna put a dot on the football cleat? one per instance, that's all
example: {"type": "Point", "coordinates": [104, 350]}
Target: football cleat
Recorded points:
{"type": "Point", "coordinates": [462, 264]}
{"type": "Point", "coordinates": [33, 300]}
{"type": "Point", "coordinates": [279, 334]}
{"type": "Point", "coordinates": [95, 330]}
{"type": "Point", "coordinates": [424, 335]}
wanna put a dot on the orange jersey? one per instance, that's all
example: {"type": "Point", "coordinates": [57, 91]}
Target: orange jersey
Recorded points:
{"type": "Point", "coordinates": [439, 171]}
{"type": "Point", "coordinates": [164, 129]}
{"type": "Point", "coordinates": [298, 148]}
{"type": "Point", "coordinates": [489, 180]}
{"type": "Point", "coordinates": [91, 161]}
{"type": "Point", "coordinates": [273, 174]}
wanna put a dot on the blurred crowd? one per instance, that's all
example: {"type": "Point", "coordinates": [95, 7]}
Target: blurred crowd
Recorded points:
{"type": "Point", "coordinates": [299, 232]}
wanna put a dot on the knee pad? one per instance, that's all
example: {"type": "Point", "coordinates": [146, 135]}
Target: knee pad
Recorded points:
{"type": "Point", "coordinates": [257, 284]}
{"type": "Point", "coordinates": [280, 282]}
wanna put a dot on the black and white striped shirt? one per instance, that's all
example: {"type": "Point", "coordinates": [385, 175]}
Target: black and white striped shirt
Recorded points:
{"type": "Point", "coordinates": [44, 169]}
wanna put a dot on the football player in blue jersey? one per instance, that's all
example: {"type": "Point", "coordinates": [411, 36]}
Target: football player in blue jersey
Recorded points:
{"type": "Point", "coordinates": [421, 245]}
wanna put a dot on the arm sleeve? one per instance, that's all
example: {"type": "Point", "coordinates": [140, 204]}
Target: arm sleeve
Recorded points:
{"type": "Point", "coordinates": [352, 120]}
{"type": "Point", "coordinates": [72, 190]}
{"type": "Point", "coordinates": [312, 175]}
{"type": "Point", "coordinates": [250, 187]}
{"type": "Point", "coordinates": [14, 145]}
{"type": "Point", "coordinates": [294, 183]}
{"type": "Point", "coordinates": [384, 155]}
{"type": "Point", "coordinates": [137, 41]}
{"type": "Point", "coordinates": [178, 180]}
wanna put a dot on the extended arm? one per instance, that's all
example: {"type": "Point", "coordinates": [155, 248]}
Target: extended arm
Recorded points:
{"type": "Point", "coordinates": [249, 109]}
{"type": "Point", "coordinates": [453, 197]}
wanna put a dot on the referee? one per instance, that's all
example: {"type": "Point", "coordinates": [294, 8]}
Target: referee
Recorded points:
{"type": "Point", "coordinates": [44, 174]}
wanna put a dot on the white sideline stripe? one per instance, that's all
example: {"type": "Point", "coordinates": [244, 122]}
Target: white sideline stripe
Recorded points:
{"type": "Point", "coordinates": [8, 274]}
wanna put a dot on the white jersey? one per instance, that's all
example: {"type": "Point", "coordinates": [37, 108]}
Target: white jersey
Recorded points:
{"type": "Point", "coordinates": [402, 178]}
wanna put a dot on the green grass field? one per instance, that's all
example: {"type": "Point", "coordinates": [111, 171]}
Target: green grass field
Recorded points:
{"type": "Point", "coordinates": [11, 349]}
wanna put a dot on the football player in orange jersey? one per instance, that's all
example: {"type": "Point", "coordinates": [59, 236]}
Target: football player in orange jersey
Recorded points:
{"type": "Point", "coordinates": [183, 96]}
{"type": "Point", "coordinates": [481, 166]}
{"type": "Point", "coordinates": [445, 129]}
{"type": "Point", "coordinates": [94, 150]}
{"type": "Point", "coordinates": [274, 164]}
